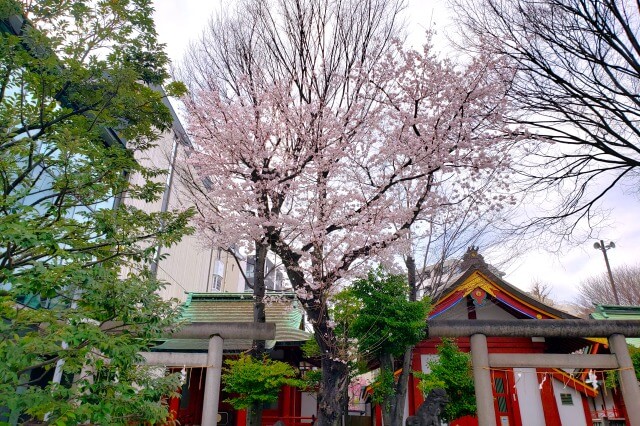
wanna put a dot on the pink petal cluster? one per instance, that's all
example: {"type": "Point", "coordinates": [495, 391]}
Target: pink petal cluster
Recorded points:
{"type": "Point", "coordinates": [338, 174]}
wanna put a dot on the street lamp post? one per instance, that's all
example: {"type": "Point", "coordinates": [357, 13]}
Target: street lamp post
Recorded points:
{"type": "Point", "coordinates": [601, 246]}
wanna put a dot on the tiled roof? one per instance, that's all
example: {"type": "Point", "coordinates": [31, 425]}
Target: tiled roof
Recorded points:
{"type": "Point", "coordinates": [614, 312]}
{"type": "Point", "coordinates": [508, 289]}
{"type": "Point", "coordinates": [283, 309]}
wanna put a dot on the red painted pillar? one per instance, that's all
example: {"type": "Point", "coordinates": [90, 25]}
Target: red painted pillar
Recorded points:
{"type": "Point", "coordinates": [174, 406]}
{"type": "Point", "coordinates": [513, 395]}
{"type": "Point", "coordinates": [241, 418]}
{"type": "Point", "coordinates": [415, 396]}
{"type": "Point", "coordinates": [549, 405]}
{"type": "Point", "coordinates": [286, 412]}
{"type": "Point", "coordinates": [297, 396]}
{"type": "Point", "coordinates": [618, 403]}
{"type": "Point", "coordinates": [585, 407]}
{"type": "Point", "coordinates": [378, 415]}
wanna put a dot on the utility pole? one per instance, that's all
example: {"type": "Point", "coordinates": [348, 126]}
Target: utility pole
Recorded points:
{"type": "Point", "coordinates": [601, 246]}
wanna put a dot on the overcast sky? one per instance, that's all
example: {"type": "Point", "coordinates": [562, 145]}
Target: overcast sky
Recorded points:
{"type": "Point", "coordinates": [179, 21]}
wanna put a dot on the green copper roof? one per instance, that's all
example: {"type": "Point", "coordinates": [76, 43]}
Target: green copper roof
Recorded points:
{"type": "Point", "coordinates": [283, 309]}
{"type": "Point", "coordinates": [614, 312]}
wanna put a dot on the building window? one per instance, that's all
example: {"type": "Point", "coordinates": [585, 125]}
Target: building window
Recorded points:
{"type": "Point", "coordinates": [501, 398]}
{"type": "Point", "coordinates": [217, 276]}
{"type": "Point", "coordinates": [566, 399]}
{"type": "Point", "coordinates": [249, 273]}
{"type": "Point", "coordinates": [216, 283]}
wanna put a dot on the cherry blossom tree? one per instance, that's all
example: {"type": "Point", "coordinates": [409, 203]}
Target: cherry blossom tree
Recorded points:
{"type": "Point", "coordinates": [308, 122]}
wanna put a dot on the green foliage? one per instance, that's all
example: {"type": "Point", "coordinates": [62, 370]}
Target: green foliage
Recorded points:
{"type": "Point", "coordinates": [375, 313]}
{"type": "Point", "coordinates": [75, 291]}
{"type": "Point", "coordinates": [257, 381]}
{"type": "Point", "coordinates": [312, 379]}
{"type": "Point", "coordinates": [8, 8]}
{"type": "Point", "coordinates": [176, 89]}
{"type": "Point", "coordinates": [380, 315]}
{"type": "Point", "coordinates": [310, 349]}
{"type": "Point", "coordinates": [611, 379]}
{"type": "Point", "coordinates": [451, 372]}
{"type": "Point", "coordinates": [635, 359]}
{"type": "Point", "coordinates": [383, 387]}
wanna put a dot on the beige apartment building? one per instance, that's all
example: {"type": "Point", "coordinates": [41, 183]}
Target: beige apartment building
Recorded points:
{"type": "Point", "coordinates": [193, 266]}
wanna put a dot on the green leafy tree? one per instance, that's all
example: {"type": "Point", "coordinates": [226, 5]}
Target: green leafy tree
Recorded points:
{"type": "Point", "coordinates": [256, 382]}
{"type": "Point", "coordinates": [78, 302]}
{"type": "Point", "coordinates": [385, 323]}
{"type": "Point", "coordinates": [451, 372]}
{"type": "Point", "coordinates": [635, 359]}
{"type": "Point", "coordinates": [611, 379]}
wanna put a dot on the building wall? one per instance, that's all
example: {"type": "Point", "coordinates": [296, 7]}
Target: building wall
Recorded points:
{"type": "Point", "coordinates": [233, 280]}
{"type": "Point", "coordinates": [570, 415]}
{"type": "Point", "coordinates": [191, 265]}
{"type": "Point", "coordinates": [185, 269]}
{"type": "Point", "coordinates": [308, 404]}
{"type": "Point", "coordinates": [458, 311]}
{"type": "Point", "coordinates": [425, 359]}
{"type": "Point", "coordinates": [493, 312]}
{"type": "Point", "coordinates": [186, 266]}
{"type": "Point", "coordinates": [528, 394]}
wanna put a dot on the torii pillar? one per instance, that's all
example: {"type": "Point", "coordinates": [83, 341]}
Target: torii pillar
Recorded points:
{"type": "Point", "coordinates": [482, 379]}
{"type": "Point", "coordinates": [628, 380]}
{"type": "Point", "coordinates": [216, 332]}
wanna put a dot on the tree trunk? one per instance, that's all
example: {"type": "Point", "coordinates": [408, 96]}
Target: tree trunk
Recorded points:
{"type": "Point", "coordinates": [389, 402]}
{"type": "Point", "coordinates": [254, 413]}
{"type": "Point", "coordinates": [333, 396]}
{"type": "Point", "coordinates": [400, 395]}
{"type": "Point", "coordinates": [410, 263]}
{"type": "Point", "coordinates": [393, 405]}
{"type": "Point", "coordinates": [259, 291]}
{"type": "Point", "coordinates": [333, 392]}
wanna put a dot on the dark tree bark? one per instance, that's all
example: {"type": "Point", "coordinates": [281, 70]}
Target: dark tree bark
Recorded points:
{"type": "Point", "coordinates": [254, 414]}
{"type": "Point", "coordinates": [410, 263]}
{"type": "Point", "coordinates": [259, 291]}
{"type": "Point", "coordinates": [333, 396]}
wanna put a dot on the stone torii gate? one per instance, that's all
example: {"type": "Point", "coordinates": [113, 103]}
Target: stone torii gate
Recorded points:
{"type": "Point", "coordinates": [478, 330]}
{"type": "Point", "coordinates": [215, 332]}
